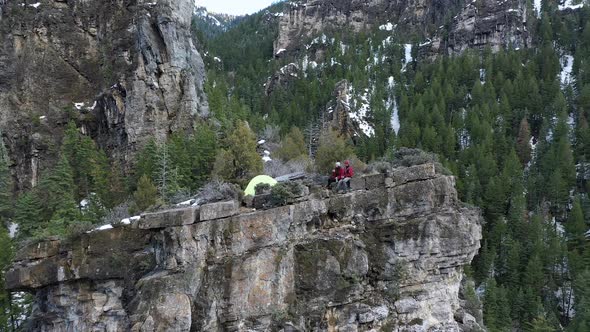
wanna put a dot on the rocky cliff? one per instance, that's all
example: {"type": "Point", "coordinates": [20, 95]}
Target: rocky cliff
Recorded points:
{"type": "Point", "coordinates": [445, 27]}
{"type": "Point", "coordinates": [125, 70]}
{"type": "Point", "coordinates": [387, 256]}
{"type": "Point", "coordinates": [308, 18]}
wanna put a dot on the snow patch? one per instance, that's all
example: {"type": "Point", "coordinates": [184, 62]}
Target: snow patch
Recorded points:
{"type": "Point", "coordinates": [392, 104]}
{"type": "Point", "coordinates": [280, 51]}
{"type": "Point", "coordinates": [407, 55]}
{"type": "Point", "coordinates": [261, 142]}
{"type": "Point", "coordinates": [104, 227]}
{"type": "Point", "coordinates": [12, 230]}
{"type": "Point", "coordinates": [568, 4]}
{"type": "Point", "coordinates": [362, 110]}
{"type": "Point", "coordinates": [567, 63]}
{"type": "Point", "coordinates": [537, 5]}
{"type": "Point", "coordinates": [386, 27]}
{"type": "Point", "coordinates": [127, 221]}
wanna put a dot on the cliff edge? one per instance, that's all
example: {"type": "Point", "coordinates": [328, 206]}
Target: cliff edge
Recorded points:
{"type": "Point", "coordinates": [387, 256]}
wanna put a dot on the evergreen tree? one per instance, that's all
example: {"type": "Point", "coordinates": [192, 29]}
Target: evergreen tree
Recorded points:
{"type": "Point", "coordinates": [523, 142]}
{"type": "Point", "coordinates": [332, 148]}
{"type": "Point", "coordinates": [576, 226]}
{"type": "Point", "coordinates": [292, 146]}
{"type": "Point", "coordinates": [239, 161]}
{"type": "Point", "coordinates": [146, 194]}
{"type": "Point", "coordinates": [28, 215]}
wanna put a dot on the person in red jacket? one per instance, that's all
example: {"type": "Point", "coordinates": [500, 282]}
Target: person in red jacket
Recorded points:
{"type": "Point", "coordinates": [337, 174]}
{"type": "Point", "coordinates": [348, 173]}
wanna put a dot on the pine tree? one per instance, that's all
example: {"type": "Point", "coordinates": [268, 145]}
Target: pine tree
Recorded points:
{"type": "Point", "coordinates": [27, 215]}
{"type": "Point", "coordinates": [576, 226]}
{"type": "Point", "coordinates": [523, 146]}
{"type": "Point", "coordinates": [146, 194]}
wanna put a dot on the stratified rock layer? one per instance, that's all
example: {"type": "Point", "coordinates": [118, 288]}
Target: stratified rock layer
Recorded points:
{"type": "Point", "coordinates": [125, 70]}
{"type": "Point", "coordinates": [445, 26]}
{"type": "Point", "coordinates": [304, 19]}
{"type": "Point", "coordinates": [387, 256]}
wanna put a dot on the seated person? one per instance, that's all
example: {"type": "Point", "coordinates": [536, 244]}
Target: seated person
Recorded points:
{"type": "Point", "coordinates": [348, 173]}
{"type": "Point", "coordinates": [337, 175]}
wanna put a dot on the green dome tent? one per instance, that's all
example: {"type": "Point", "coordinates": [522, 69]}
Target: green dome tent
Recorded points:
{"type": "Point", "coordinates": [251, 188]}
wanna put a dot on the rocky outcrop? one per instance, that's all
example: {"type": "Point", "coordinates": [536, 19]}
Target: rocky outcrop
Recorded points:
{"type": "Point", "coordinates": [309, 18]}
{"type": "Point", "coordinates": [446, 27]}
{"type": "Point", "coordinates": [487, 23]}
{"type": "Point", "coordinates": [125, 70]}
{"type": "Point", "coordinates": [305, 19]}
{"type": "Point", "coordinates": [387, 256]}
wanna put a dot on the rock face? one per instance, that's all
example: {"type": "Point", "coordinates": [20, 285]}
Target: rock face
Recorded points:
{"type": "Point", "coordinates": [387, 256]}
{"type": "Point", "coordinates": [487, 23]}
{"type": "Point", "coordinates": [447, 26]}
{"type": "Point", "coordinates": [309, 18]}
{"type": "Point", "coordinates": [125, 70]}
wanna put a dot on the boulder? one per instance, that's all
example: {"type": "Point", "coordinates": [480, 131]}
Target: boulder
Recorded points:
{"type": "Point", "coordinates": [170, 218]}
{"type": "Point", "coordinates": [218, 210]}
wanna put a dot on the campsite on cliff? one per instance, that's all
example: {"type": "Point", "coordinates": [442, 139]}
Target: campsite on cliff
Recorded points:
{"type": "Point", "coordinates": [295, 166]}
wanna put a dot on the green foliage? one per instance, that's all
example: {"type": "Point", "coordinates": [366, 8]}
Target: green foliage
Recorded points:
{"type": "Point", "coordinates": [332, 148]}
{"type": "Point", "coordinates": [146, 194]}
{"type": "Point", "coordinates": [239, 161]}
{"type": "Point", "coordinates": [292, 145]}
{"type": "Point", "coordinates": [28, 214]}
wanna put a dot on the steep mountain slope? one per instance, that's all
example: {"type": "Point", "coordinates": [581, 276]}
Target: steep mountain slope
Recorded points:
{"type": "Point", "coordinates": [125, 71]}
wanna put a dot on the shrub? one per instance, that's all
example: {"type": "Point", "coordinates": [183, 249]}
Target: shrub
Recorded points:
{"type": "Point", "coordinates": [146, 194]}
{"type": "Point", "coordinates": [216, 191]}
{"type": "Point", "coordinates": [332, 148]}
{"type": "Point", "coordinates": [282, 193]}
{"type": "Point", "coordinates": [411, 157]}
{"type": "Point", "coordinates": [292, 146]}
{"type": "Point", "coordinates": [262, 188]}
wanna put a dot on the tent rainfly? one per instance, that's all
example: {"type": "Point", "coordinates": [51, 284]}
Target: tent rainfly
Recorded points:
{"type": "Point", "coordinates": [251, 188]}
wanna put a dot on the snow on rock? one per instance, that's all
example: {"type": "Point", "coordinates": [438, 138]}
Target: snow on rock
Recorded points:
{"type": "Point", "coordinates": [127, 221]}
{"type": "Point", "coordinates": [280, 51]}
{"type": "Point", "coordinates": [567, 62]}
{"type": "Point", "coordinates": [104, 227]}
{"type": "Point", "coordinates": [12, 230]}
{"type": "Point", "coordinates": [84, 203]}
{"type": "Point", "coordinates": [216, 59]}
{"type": "Point", "coordinates": [588, 234]}
{"type": "Point", "coordinates": [79, 106]}
{"type": "Point", "coordinates": [261, 142]}
{"type": "Point", "coordinates": [266, 158]}
{"type": "Point", "coordinates": [362, 107]}
{"type": "Point", "coordinates": [185, 203]}
{"type": "Point", "coordinates": [407, 55]}
{"type": "Point", "coordinates": [482, 75]}
{"type": "Point", "coordinates": [386, 27]}
{"type": "Point", "coordinates": [392, 104]}
{"type": "Point", "coordinates": [537, 5]}
{"type": "Point", "coordinates": [568, 4]}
